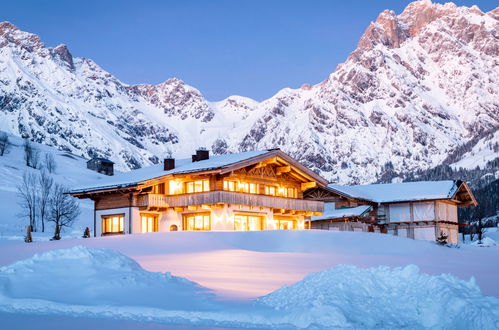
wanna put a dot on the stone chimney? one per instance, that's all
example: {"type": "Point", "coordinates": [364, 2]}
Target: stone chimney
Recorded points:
{"type": "Point", "coordinates": [169, 163]}
{"type": "Point", "coordinates": [201, 154]}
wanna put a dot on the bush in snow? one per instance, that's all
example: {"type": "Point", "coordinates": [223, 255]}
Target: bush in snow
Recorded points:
{"type": "Point", "coordinates": [50, 163]}
{"type": "Point", "coordinates": [86, 233]}
{"type": "Point", "coordinates": [4, 143]}
{"type": "Point", "coordinates": [28, 238]}
{"type": "Point", "coordinates": [31, 154]}
{"type": "Point", "coordinates": [442, 239]}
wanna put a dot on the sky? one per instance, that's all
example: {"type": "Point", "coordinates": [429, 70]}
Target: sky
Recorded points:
{"type": "Point", "coordinates": [240, 47]}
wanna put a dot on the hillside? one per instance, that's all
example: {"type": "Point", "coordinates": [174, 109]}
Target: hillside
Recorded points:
{"type": "Point", "coordinates": [419, 86]}
{"type": "Point", "coordinates": [70, 170]}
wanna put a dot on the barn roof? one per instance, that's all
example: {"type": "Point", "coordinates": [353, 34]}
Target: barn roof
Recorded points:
{"type": "Point", "coordinates": [102, 160]}
{"type": "Point", "coordinates": [404, 191]}
{"type": "Point", "coordinates": [347, 212]}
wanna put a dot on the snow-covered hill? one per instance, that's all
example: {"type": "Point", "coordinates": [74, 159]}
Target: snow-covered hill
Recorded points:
{"type": "Point", "coordinates": [419, 85]}
{"type": "Point", "coordinates": [69, 170]}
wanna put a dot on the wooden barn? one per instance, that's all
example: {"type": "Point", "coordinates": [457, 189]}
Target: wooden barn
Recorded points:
{"type": "Point", "coordinates": [424, 210]}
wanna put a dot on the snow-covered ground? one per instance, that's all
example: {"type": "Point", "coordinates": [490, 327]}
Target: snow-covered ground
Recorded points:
{"type": "Point", "coordinates": [88, 278]}
{"type": "Point", "coordinates": [70, 170]}
{"type": "Point", "coordinates": [206, 279]}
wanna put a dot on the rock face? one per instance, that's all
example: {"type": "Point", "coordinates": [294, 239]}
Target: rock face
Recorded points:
{"type": "Point", "coordinates": [419, 85]}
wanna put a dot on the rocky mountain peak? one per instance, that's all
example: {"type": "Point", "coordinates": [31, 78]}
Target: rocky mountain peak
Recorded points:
{"type": "Point", "coordinates": [10, 34]}
{"type": "Point", "coordinates": [62, 52]}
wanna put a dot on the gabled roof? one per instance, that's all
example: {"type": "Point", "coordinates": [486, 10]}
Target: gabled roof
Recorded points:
{"type": "Point", "coordinates": [217, 163]}
{"type": "Point", "coordinates": [404, 191]}
{"type": "Point", "coordinates": [347, 212]}
{"type": "Point", "coordinates": [102, 160]}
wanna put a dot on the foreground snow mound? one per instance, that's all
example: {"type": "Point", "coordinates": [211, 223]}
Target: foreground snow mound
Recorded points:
{"type": "Point", "coordinates": [85, 276]}
{"type": "Point", "coordinates": [385, 297]}
{"type": "Point", "coordinates": [487, 241]}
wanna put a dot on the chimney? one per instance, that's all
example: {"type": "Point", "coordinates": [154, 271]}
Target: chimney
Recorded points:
{"type": "Point", "coordinates": [201, 154]}
{"type": "Point", "coordinates": [169, 163]}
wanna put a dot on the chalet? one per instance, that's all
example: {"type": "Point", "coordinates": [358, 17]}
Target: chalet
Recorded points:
{"type": "Point", "coordinates": [253, 190]}
{"type": "Point", "coordinates": [101, 165]}
{"type": "Point", "coordinates": [420, 210]}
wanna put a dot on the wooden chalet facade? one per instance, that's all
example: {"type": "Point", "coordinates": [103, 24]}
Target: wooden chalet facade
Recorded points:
{"type": "Point", "coordinates": [417, 210]}
{"type": "Point", "coordinates": [256, 190]}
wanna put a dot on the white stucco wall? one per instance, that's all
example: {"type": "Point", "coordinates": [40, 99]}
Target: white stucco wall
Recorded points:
{"type": "Point", "coordinates": [424, 233]}
{"type": "Point", "coordinates": [100, 213]}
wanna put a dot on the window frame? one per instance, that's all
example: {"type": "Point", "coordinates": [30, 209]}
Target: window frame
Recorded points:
{"type": "Point", "coordinates": [155, 222]}
{"type": "Point", "coordinates": [185, 221]}
{"type": "Point", "coordinates": [107, 217]}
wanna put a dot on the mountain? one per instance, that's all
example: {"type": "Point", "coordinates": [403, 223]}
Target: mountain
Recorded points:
{"type": "Point", "coordinates": [419, 86]}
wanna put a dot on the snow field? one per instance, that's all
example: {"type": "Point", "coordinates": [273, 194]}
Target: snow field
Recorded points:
{"type": "Point", "coordinates": [103, 283]}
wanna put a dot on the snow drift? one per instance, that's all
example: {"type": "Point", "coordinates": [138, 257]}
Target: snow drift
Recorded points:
{"type": "Point", "coordinates": [385, 297]}
{"type": "Point", "coordinates": [99, 282]}
{"type": "Point", "coordinates": [85, 276]}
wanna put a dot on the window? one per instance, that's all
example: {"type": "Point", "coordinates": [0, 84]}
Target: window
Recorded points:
{"type": "Point", "coordinates": [247, 222]}
{"type": "Point", "coordinates": [229, 185]}
{"type": "Point", "coordinates": [270, 190]}
{"type": "Point", "coordinates": [174, 187]}
{"type": "Point", "coordinates": [197, 221]}
{"type": "Point", "coordinates": [149, 223]}
{"type": "Point", "coordinates": [291, 193]}
{"type": "Point", "coordinates": [197, 186]}
{"type": "Point", "coordinates": [113, 224]}
{"type": "Point", "coordinates": [284, 223]}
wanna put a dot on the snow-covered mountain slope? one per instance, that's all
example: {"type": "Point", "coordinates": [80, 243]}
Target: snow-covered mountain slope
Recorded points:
{"type": "Point", "coordinates": [69, 170]}
{"type": "Point", "coordinates": [419, 85]}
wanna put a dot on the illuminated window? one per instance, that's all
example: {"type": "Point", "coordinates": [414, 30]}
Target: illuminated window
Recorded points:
{"type": "Point", "coordinates": [253, 188]}
{"type": "Point", "coordinates": [197, 186]}
{"type": "Point", "coordinates": [245, 222]}
{"type": "Point", "coordinates": [270, 190]}
{"type": "Point", "coordinates": [229, 185]}
{"type": "Point", "coordinates": [174, 187]}
{"type": "Point", "coordinates": [149, 223]}
{"type": "Point", "coordinates": [284, 224]}
{"type": "Point", "coordinates": [197, 221]}
{"type": "Point", "coordinates": [113, 224]}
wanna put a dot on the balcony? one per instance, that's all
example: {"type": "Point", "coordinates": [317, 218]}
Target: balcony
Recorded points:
{"type": "Point", "coordinates": [228, 197]}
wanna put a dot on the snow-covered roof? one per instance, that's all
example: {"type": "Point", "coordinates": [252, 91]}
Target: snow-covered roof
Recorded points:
{"type": "Point", "coordinates": [331, 213]}
{"type": "Point", "coordinates": [399, 192]}
{"type": "Point", "coordinates": [131, 178]}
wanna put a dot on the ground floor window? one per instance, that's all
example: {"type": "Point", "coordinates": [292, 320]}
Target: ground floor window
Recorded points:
{"type": "Point", "coordinates": [197, 221]}
{"type": "Point", "coordinates": [248, 222]}
{"type": "Point", "coordinates": [149, 223]}
{"type": "Point", "coordinates": [285, 223]}
{"type": "Point", "coordinates": [113, 224]}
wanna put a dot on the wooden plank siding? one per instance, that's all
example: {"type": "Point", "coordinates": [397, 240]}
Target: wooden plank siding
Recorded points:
{"type": "Point", "coordinates": [227, 197]}
{"type": "Point", "coordinates": [111, 201]}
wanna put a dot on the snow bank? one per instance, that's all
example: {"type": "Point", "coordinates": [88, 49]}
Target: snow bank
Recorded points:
{"type": "Point", "coordinates": [383, 297]}
{"type": "Point", "coordinates": [487, 241]}
{"type": "Point", "coordinates": [85, 276]}
{"type": "Point", "coordinates": [84, 282]}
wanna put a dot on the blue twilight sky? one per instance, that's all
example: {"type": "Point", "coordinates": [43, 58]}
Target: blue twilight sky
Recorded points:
{"type": "Point", "coordinates": [250, 48]}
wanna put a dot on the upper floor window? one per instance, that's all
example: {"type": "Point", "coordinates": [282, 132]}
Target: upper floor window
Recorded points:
{"type": "Point", "coordinates": [197, 186]}
{"type": "Point", "coordinates": [245, 187]}
{"type": "Point", "coordinates": [178, 187]}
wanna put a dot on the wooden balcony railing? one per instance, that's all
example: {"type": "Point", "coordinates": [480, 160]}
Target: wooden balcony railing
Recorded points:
{"type": "Point", "coordinates": [228, 197]}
